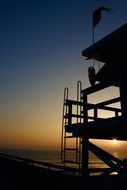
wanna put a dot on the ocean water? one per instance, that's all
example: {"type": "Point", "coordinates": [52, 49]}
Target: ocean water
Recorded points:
{"type": "Point", "coordinates": [37, 155]}
{"type": "Point", "coordinates": [55, 157]}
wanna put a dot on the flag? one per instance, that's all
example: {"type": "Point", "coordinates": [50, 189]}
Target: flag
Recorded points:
{"type": "Point", "coordinates": [97, 14]}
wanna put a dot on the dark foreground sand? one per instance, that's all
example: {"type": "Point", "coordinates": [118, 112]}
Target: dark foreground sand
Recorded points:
{"type": "Point", "coordinates": [15, 175]}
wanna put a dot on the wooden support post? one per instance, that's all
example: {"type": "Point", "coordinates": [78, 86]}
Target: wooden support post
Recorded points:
{"type": "Point", "coordinates": [70, 114]}
{"type": "Point", "coordinates": [95, 114]}
{"type": "Point", "coordinates": [67, 122]}
{"type": "Point", "coordinates": [85, 151]}
{"type": "Point", "coordinates": [123, 95]}
{"type": "Point", "coordinates": [110, 160]}
{"type": "Point", "coordinates": [116, 114]}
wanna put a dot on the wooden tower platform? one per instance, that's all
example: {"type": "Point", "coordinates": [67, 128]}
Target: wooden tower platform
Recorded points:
{"type": "Point", "coordinates": [111, 50]}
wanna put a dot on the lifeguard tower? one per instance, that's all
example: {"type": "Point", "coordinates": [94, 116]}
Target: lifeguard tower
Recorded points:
{"type": "Point", "coordinates": [80, 126]}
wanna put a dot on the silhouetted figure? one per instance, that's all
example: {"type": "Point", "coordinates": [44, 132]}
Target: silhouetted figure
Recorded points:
{"type": "Point", "coordinates": [91, 75]}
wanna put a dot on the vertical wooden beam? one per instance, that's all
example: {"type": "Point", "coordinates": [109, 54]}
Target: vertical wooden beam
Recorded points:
{"type": "Point", "coordinates": [116, 114]}
{"type": "Point", "coordinates": [70, 114]}
{"type": "Point", "coordinates": [95, 114]}
{"type": "Point", "coordinates": [68, 122]}
{"type": "Point", "coordinates": [123, 94]}
{"type": "Point", "coordinates": [85, 151]}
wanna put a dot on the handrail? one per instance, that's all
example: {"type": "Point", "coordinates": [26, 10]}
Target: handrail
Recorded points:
{"type": "Point", "coordinates": [66, 92]}
{"type": "Point", "coordinates": [103, 104]}
{"type": "Point", "coordinates": [41, 163]}
{"type": "Point", "coordinates": [95, 88]}
{"type": "Point", "coordinates": [50, 165]}
{"type": "Point", "coordinates": [79, 119]}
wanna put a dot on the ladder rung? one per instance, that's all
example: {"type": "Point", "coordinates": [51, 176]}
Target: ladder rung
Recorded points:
{"type": "Point", "coordinates": [71, 149]}
{"type": "Point", "coordinates": [73, 115]}
{"type": "Point", "coordinates": [67, 137]}
{"type": "Point", "coordinates": [71, 161]}
{"type": "Point", "coordinates": [70, 102]}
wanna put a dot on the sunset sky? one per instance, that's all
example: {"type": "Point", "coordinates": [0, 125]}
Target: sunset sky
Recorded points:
{"type": "Point", "coordinates": [41, 43]}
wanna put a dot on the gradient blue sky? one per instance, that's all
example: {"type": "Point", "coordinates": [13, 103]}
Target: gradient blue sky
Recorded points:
{"type": "Point", "coordinates": [41, 43]}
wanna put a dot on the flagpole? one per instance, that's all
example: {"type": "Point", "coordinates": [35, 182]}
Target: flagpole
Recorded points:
{"type": "Point", "coordinates": [93, 34]}
{"type": "Point", "coordinates": [93, 24]}
{"type": "Point", "coordinates": [93, 41]}
{"type": "Point", "coordinates": [96, 19]}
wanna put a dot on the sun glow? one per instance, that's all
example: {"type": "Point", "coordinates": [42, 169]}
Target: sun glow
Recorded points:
{"type": "Point", "coordinates": [114, 141]}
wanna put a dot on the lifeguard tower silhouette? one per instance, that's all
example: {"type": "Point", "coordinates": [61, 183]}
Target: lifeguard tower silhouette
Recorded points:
{"type": "Point", "coordinates": [79, 126]}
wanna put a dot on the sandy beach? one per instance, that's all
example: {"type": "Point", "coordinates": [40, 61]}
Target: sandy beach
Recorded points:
{"type": "Point", "coordinates": [15, 175]}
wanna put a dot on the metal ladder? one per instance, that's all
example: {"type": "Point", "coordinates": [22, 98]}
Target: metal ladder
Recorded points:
{"type": "Point", "coordinates": [65, 137]}
{"type": "Point", "coordinates": [64, 121]}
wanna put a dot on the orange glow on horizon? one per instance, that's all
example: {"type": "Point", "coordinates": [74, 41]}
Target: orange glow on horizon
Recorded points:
{"type": "Point", "coordinates": [114, 141]}
{"type": "Point", "coordinates": [23, 132]}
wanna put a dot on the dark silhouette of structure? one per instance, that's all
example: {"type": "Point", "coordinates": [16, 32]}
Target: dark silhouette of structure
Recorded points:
{"type": "Point", "coordinates": [78, 124]}
{"type": "Point", "coordinates": [82, 122]}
